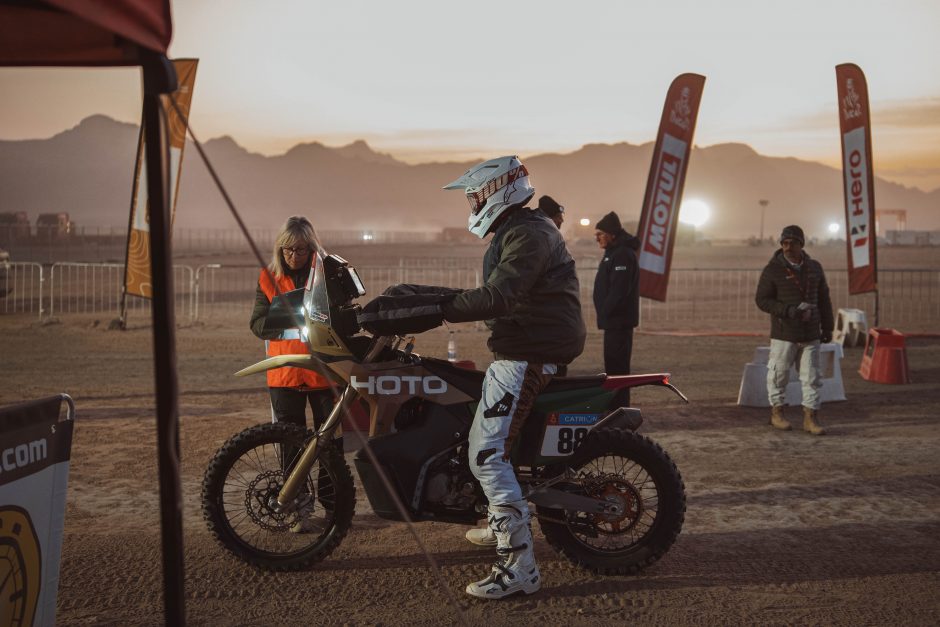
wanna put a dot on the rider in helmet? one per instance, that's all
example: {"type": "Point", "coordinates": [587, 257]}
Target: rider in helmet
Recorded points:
{"type": "Point", "coordinates": [530, 301]}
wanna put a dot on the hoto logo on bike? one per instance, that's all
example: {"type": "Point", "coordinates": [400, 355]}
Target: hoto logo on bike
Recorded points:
{"type": "Point", "coordinates": [393, 384]}
{"type": "Point", "coordinates": [564, 432]}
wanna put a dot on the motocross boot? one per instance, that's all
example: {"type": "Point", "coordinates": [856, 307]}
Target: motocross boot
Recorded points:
{"type": "Point", "coordinates": [482, 536]}
{"type": "Point", "coordinates": [515, 569]}
{"type": "Point", "coordinates": [304, 523]}
{"type": "Point", "coordinates": [810, 422]}
{"type": "Point", "coordinates": [777, 420]}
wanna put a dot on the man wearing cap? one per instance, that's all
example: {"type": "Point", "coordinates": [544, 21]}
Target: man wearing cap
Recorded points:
{"type": "Point", "coordinates": [617, 293]}
{"type": "Point", "coordinates": [793, 290]}
{"type": "Point", "coordinates": [552, 209]}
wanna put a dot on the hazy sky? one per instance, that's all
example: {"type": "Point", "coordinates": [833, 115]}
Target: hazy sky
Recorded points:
{"type": "Point", "coordinates": [440, 80]}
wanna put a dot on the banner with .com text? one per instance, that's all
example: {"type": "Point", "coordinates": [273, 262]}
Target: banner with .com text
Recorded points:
{"type": "Point", "coordinates": [35, 447]}
{"type": "Point", "coordinates": [658, 220]}
{"type": "Point", "coordinates": [137, 270]}
{"type": "Point", "coordinates": [858, 179]}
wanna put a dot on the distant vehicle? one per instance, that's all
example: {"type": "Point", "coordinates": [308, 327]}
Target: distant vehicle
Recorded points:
{"type": "Point", "coordinates": [14, 225]}
{"type": "Point", "coordinates": [51, 227]}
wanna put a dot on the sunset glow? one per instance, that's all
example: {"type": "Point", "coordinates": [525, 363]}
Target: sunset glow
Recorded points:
{"type": "Point", "coordinates": [420, 81]}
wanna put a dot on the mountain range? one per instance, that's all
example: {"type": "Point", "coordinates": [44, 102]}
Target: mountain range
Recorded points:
{"type": "Point", "coordinates": [87, 172]}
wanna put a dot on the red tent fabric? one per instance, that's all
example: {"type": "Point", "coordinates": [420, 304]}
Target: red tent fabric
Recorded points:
{"type": "Point", "coordinates": [82, 32]}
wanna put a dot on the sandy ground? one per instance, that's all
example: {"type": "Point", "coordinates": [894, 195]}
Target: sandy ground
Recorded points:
{"type": "Point", "coordinates": [782, 528]}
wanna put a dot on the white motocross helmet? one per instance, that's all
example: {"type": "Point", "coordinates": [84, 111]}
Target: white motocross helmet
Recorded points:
{"type": "Point", "coordinates": [492, 187]}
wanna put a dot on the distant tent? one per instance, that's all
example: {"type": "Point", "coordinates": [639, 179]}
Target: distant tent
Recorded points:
{"type": "Point", "coordinates": [125, 33]}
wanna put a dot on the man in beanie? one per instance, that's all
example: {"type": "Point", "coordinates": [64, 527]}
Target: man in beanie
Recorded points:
{"type": "Point", "coordinates": [552, 209]}
{"type": "Point", "coordinates": [793, 290]}
{"type": "Point", "coordinates": [617, 293]}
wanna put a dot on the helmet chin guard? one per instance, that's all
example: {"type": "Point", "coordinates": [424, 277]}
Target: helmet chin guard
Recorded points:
{"type": "Point", "coordinates": [491, 188]}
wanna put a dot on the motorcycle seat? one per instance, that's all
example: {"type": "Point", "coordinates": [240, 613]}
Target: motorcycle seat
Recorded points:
{"type": "Point", "coordinates": [564, 384]}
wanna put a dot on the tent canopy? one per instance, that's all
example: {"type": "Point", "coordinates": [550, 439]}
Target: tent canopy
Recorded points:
{"type": "Point", "coordinates": [82, 32]}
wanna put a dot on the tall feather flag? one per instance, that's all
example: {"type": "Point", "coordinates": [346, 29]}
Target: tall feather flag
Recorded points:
{"type": "Point", "coordinates": [859, 179]}
{"type": "Point", "coordinates": [657, 228]}
{"type": "Point", "coordinates": [137, 265]}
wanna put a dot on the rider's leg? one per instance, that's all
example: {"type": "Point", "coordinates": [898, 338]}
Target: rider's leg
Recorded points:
{"type": "Point", "coordinates": [516, 569]}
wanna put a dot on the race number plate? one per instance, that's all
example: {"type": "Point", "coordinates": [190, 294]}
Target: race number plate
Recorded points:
{"type": "Point", "coordinates": [564, 433]}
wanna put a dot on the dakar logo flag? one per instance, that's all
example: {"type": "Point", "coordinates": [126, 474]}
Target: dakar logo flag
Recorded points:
{"type": "Point", "coordinates": [859, 178]}
{"type": "Point", "coordinates": [657, 228]}
{"type": "Point", "coordinates": [137, 268]}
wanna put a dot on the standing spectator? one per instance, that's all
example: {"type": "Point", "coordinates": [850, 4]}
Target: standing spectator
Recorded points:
{"type": "Point", "coordinates": [617, 293]}
{"type": "Point", "coordinates": [552, 209]}
{"type": "Point", "coordinates": [793, 290]}
{"type": "Point", "coordinates": [290, 388]}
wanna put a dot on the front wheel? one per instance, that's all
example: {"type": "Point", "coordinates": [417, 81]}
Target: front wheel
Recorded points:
{"type": "Point", "coordinates": [239, 498]}
{"type": "Point", "coordinates": [634, 472]}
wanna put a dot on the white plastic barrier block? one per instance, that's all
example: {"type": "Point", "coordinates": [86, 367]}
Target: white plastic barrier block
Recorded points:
{"type": "Point", "coordinates": [753, 391]}
{"type": "Point", "coordinates": [851, 328]}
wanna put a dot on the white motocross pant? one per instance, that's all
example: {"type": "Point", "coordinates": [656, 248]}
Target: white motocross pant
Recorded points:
{"type": "Point", "coordinates": [502, 386]}
{"type": "Point", "coordinates": [805, 356]}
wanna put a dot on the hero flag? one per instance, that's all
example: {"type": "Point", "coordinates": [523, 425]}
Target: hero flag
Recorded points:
{"type": "Point", "coordinates": [858, 178]}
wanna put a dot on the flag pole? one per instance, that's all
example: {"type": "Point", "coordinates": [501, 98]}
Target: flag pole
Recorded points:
{"type": "Point", "coordinates": [121, 321]}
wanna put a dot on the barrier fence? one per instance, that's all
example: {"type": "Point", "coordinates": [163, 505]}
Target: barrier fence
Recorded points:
{"type": "Point", "coordinates": [21, 288]}
{"type": "Point", "coordinates": [97, 288]}
{"type": "Point", "coordinates": [698, 299]}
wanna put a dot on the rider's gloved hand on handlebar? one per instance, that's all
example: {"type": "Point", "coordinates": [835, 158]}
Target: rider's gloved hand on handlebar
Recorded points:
{"type": "Point", "coordinates": [406, 309]}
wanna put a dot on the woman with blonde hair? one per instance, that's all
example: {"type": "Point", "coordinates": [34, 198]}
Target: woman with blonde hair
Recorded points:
{"type": "Point", "coordinates": [290, 388]}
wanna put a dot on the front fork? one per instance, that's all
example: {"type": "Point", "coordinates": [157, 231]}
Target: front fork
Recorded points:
{"type": "Point", "coordinates": [312, 448]}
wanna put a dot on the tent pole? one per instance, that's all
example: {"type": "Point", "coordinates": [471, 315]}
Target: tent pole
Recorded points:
{"type": "Point", "coordinates": [160, 78]}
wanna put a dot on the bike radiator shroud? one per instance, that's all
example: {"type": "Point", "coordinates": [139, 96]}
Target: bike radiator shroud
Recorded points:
{"type": "Point", "coordinates": [428, 436]}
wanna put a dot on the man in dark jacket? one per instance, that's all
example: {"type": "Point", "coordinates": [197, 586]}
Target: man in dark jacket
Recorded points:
{"type": "Point", "coordinates": [530, 301]}
{"type": "Point", "coordinates": [793, 290]}
{"type": "Point", "coordinates": [617, 293]}
{"type": "Point", "coordinates": [550, 207]}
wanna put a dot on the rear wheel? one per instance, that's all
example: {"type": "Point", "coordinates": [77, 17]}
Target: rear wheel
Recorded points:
{"type": "Point", "coordinates": [633, 472]}
{"type": "Point", "coordinates": [239, 497]}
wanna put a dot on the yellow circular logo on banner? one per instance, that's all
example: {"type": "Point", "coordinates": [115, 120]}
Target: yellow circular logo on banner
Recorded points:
{"type": "Point", "coordinates": [20, 567]}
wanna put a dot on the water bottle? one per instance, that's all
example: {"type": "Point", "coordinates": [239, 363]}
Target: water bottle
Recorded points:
{"type": "Point", "coordinates": [451, 348]}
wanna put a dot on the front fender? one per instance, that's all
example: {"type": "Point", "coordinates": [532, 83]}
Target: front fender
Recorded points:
{"type": "Point", "coordinates": [297, 361]}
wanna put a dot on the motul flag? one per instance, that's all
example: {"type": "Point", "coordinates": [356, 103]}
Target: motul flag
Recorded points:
{"type": "Point", "coordinates": [137, 270]}
{"type": "Point", "coordinates": [657, 228]}
{"type": "Point", "coordinates": [859, 178]}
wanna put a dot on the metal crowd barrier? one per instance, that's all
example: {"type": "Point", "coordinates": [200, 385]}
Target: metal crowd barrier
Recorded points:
{"type": "Point", "coordinates": [21, 288]}
{"type": "Point", "coordinates": [698, 298]}
{"type": "Point", "coordinates": [97, 288]}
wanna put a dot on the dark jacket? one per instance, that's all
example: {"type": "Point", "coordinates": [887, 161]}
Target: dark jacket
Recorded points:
{"type": "Point", "coordinates": [530, 298]}
{"type": "Point", "coordinates": [617, 284]}
{"type": "Point", "coordinates": [781, 289]}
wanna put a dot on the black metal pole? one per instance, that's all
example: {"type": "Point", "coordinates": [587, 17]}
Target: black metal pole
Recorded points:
{"type": "Point", "coordinates": [160, 78]}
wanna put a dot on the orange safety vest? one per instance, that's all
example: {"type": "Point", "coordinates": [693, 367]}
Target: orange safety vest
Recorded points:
{"type": "Point", "coordinates": [288, 376]}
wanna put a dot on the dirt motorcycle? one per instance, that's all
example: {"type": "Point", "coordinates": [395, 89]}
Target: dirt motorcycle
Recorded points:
{"type": "Point", "coordinates": [282, 498]}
